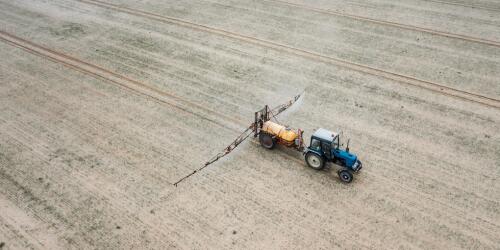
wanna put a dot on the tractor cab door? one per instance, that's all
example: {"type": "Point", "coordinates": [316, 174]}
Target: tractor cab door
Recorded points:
{"type": "Point", "coordinates": [335, 147]}
{"type": "Point", "coordinates": [327, 149]}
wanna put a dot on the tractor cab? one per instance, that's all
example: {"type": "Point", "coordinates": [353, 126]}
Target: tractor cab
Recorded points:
{"type": "Point", "coordinates": [325, 146]}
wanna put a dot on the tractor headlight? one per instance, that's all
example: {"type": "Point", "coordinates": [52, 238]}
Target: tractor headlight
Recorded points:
{"type": "Point", "coordinates": [355, 166]}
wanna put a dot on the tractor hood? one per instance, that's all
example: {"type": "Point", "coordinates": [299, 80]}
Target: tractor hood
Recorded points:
{"type": "Point", "coordinates": [349, 158]}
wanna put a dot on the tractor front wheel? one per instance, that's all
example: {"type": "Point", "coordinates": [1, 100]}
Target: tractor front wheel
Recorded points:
{"type": "Point", "coordinates": [345, 176]}
{"type": "Point", "coordinates": [267, 141]}
{"type": "Point", "coordinates": [315, 161]}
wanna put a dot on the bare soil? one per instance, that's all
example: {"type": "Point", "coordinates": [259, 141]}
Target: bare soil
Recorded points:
{"type": "Point", "coordinates": [104, 105]}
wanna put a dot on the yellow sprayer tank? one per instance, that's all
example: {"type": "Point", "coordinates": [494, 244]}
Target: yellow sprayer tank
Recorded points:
{"type": "Point", "coordinates": [286, 135]}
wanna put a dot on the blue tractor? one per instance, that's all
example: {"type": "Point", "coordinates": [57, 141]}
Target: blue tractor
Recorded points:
{"type": "Point", "coordinates": [325, 147]}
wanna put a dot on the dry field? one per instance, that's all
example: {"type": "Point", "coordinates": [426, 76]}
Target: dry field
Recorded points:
{"type": "Point", "coordinates": [104, 105]}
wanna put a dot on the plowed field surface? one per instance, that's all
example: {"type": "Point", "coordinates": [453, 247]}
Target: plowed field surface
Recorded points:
{"type": "Point", "coordinates": [105, 105]}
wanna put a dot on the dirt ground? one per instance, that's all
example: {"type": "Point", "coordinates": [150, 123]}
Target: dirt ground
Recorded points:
{"type": "Point", "coordinates": [104, 105]}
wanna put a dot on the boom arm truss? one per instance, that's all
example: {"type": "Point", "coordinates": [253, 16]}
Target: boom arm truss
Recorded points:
{"type": "Point", "coordinates": [261, 116]}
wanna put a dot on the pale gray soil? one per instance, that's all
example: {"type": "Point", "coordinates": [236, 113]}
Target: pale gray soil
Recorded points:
{"type": "Point", "coordinates": [87, 163]}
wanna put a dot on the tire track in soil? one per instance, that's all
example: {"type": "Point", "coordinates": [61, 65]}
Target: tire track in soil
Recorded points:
{"type": "Point", "coordinates": [92, 119]}
{"type": "Point", "coordinates": [389, 23]}
{"type": "Point", "coordinates": [108, 75]}
{"type": "Point", "coordinates": [398, 78]}
{"type": "Point", "coordinates": [219, 114]}
{"type": "Point", "coordinates": [50, 115]}
{"type": "Point", "coordinates": [464, 5]}
{"type": "Point", "coordinates": [102, 73]}
{"type": "Point", "coordinates": [99, 72]}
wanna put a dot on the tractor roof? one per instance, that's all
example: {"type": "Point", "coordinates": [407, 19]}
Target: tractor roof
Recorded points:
{"type": "Point", "coordinates": [324, 134]}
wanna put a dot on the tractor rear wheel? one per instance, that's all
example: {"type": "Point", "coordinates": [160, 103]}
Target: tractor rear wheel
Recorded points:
{"type": "Point", "coordinates": [345, 176]}
{"type": "Point", "coordinates": [315, 161]}
{"type": "Point", "coordinates": [267, 141]}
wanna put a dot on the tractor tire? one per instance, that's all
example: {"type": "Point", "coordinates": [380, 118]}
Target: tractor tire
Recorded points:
{"type": "Point", "coordinates": [315, 161]}
{"type": "Point", "coordinates": [267, 141]}
{"type": "Point", "coordinates": [345, 176]}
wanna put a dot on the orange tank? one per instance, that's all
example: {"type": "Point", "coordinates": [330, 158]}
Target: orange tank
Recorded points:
{"type": "Point", "coordinates": [285, 135]}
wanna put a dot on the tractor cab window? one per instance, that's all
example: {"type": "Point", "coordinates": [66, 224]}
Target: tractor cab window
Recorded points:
{"type": "Point", "coordinates": [315, 144]}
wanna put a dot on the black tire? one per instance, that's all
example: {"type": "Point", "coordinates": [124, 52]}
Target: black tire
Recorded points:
{"type": "Point", "coordinates": [345, 176]}
{"type": "Point", "coordinates": [315, 161]}
{"type": "Point", "coordinates": [267, 141]}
